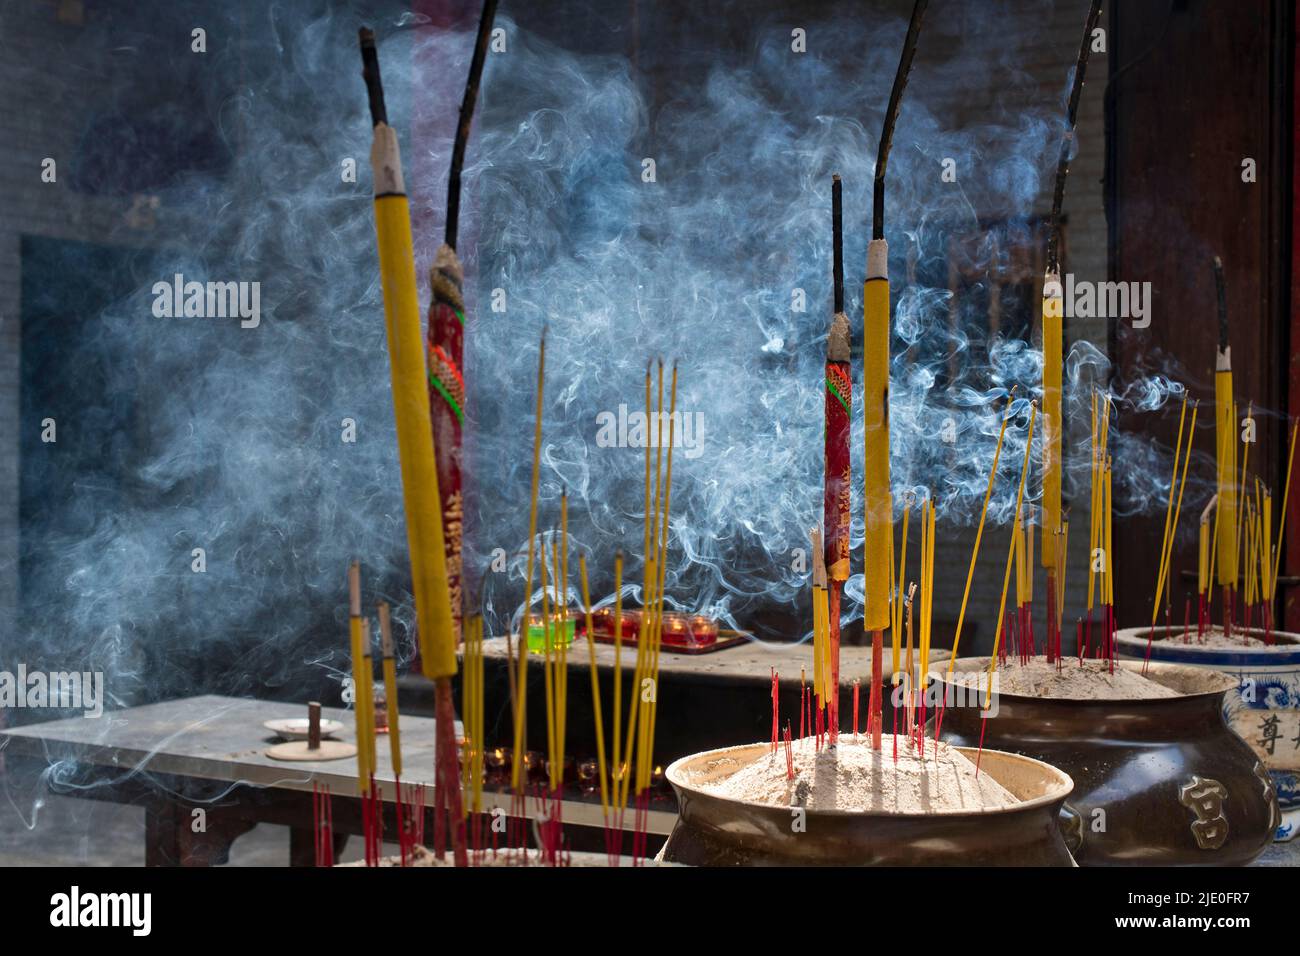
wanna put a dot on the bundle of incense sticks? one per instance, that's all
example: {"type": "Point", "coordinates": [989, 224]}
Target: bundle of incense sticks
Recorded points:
{"type": "Point", "coordinates": [629, 770]}
{"type": "Point", "coordinates": [1099, 558]}
{"type": "Point", "coordinates": [928, 518]}
{"type": "Point", "coordinates": [1173, 510]}
{"type": "Point", "coordinates": [471, 709]}
{"type": "Point", "coordinates": [602, 767]}
{"type": "Point", "coordinates": [975, 550]}
{"type": "Point", "coordinates": [363, 683]}
{"type": "Point", "coordinates": [322, 816]}
{"type": "Point", "coordinates": [895, 586]}
{"type": "Point", "coordinates": [1274, 560]}
{"type": "Point", "coordinates": [998, 633]}
{"type": "Point", "coordinates": [387, 647]}
{"type": "Point", "coordinates": [643, 708]}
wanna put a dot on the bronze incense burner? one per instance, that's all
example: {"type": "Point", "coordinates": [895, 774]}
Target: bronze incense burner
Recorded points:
{"type": "Point", "coordinates": [717, 831]}
{"type": "Point", "coordinates": [1160, 781]}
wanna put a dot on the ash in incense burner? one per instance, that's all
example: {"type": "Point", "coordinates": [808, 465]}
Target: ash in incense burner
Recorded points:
{"type": "Point", "coordinates": [851, 806]}
{"type": "Point", "coordinates": [1160, 778]}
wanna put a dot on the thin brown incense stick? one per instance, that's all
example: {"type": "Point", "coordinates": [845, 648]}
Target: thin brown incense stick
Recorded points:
{"type": "Point", "coordinates": [521, 683]}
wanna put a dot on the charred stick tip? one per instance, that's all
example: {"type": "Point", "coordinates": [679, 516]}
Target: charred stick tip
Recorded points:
{"type": "Point", "coordinates": [370, 73]}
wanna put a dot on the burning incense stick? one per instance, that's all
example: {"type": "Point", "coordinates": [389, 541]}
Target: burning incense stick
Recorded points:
{"type": "Point", "coordinates": [414, 428]}
{"type": "Point", "coordinates": [877, 499]}
{"type": "Point", "coordinates": [1053, 418]}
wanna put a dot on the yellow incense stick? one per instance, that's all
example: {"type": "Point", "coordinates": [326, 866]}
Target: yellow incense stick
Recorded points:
{"type": "Point", "coordinates": [1286, 491]}
{"type": "Point", "coordinates": [355, 636]}
{"type": "Point", "coordinates": [1169, 512]}
{"type": "Point", "coordinates": [1053, 420]}
{"type": "Point", "coordinates": [877, 500]}
{"type": "Point", "coordinates": [390, 687]}
{"type": "Point", "coordinates": [521, 702]}
{"type": "Point", "coordinates": [368, 695]}
{"type": "Point", "coordinates": [653, 703]}
{"type": "Point", "coordinates": [1011, 552]}
{"type": "Point", "coordinates": [595, 690]}
{"type": "Point", "coordinates": [615, 763]}
{"type": "Point", "coordinates": [1241, 489]}
{"type": "Point", "coordinates": [548, 677]}
{"type": "Point", "coordinates": [896, 627]}
{"type": "Point", "coordinates": [979, 534]}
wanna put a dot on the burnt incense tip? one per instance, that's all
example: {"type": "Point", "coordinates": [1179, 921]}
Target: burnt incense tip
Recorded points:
{"type": "Point", "coordinates": [370, 73]}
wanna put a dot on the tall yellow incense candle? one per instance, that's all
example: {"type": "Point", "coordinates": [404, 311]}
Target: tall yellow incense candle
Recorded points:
{"type": "Point", "coordinates": [410, 386]}
{"type": "Point", "coordinates": [877, 501]}
{"type": "Point", "coordinates": [1053, 422]}
{"type": "Point", "coordinates": [1225, 445]}
{"type": "Point", "coordinates": [390, 687]}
